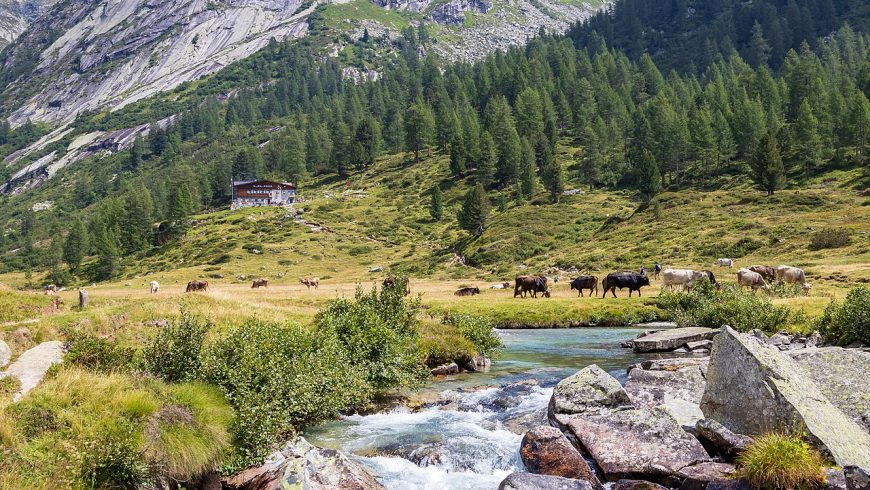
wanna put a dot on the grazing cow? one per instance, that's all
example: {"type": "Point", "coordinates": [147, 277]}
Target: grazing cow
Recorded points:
{"type": "Point", "coordinates": [194, 286]}
{"type": "Point", "coordinates": [642, 270]}
{"type": "Point", "coordinates": [725, 263]}
{"type": "Point", "coordinates": [585, 282]}
{"type": "Point", "coordinates": [531, 284]}
{"type": "Point", "coordinates": [622, 280]}
{"type": "Point", "coordinates": [467, 291]}
{"type": "Point", "coordinates": [49, 289]}
{"type": "Point", "coordinates": [657, 269]}
{"type": "Point", "coordinates": [398, 282]}
{"type": "Point", "coordinates": [501, 285]}
{"type": "Point", "coordinates": [747, 278]}
{"type": "Point", "coordinates": [684, 278]}
{"type": "Point", "coordinates": [155, 287]}
{"type": "Point", "coordinates": [310, 281]}
{"type": "Point", "coordinates": [260, 283]}
{"type": "Point", "coordinates": [792, 275]}
{"type": "Point", "coordinates": [768, 273]}
{"type": "Point", "coordinates": [712, 279]}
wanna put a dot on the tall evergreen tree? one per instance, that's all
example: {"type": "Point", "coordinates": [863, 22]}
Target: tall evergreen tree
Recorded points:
{"type": "Point", "coordinates": [767, 168]}
{"type": "Point", "coordinates": [436, 205]}
{"type": "Point", "coordinates": [474, 214]}
{"type": "Point", "coordinates": [419, 128]}
{"type": "Point", "coordinates": [488, 161]}
{"type": "Point", "coordinates": [76, 245]}
{"type": "Point", "coordinates": [807, 142]}
{"type": "Point", "coordinates": [649, 179]}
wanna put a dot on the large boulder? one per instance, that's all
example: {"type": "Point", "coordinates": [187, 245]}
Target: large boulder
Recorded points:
{"type": "Point", "coordinates": [677, 390]}
{"type": "Point", "coordinates": [32, 364]}
{"type": "Point", "coordinates": [529, 481]}
{"type": "Point", "coordinates": [699, 476]}
{"type": "Point", "coordinates": [302, 466]}
{"type": "Point", "coordinates": [752, 388]}
{"type": "Point", "coordinates": [590, 390]}
{"type": "Point", "coordinates": [5, 353]}
{"type": "Point", "coordinates": [842, 375]}
{"type": "Point", "coordinates": [546, 451]}
{"type": "Point", "coordinates": [671, 339]}
{"type": "Point", "coordinates": [722, 441]}
{"type": "Point", "coordinates": [644, 443]}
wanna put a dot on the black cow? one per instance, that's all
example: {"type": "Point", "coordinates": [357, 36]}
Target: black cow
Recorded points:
{"type": "Point", "coordinates": [532, 284]}
{"type": "Point", "coordinates": [585, 282]}
{"type": "Point", "coordinates": [467, 291]}
{"type": "Point", "coordinates": [622, 280]}
{"type": "Point", "coordinates": [712, 279]}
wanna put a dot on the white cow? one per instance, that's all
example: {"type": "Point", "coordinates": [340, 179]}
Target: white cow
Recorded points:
{"type": "Point", "coordinates": [684, 278]}
{"type": "Point", "coordinates": [792, 275]}
{"type": "Point", "coordinates": [747, 278]}
{"type": "Point", "coordinates": [155, 287]}
{"type": "Point", "coordinates": [725, 263]}
{"type": "Point", "coordinates": [501, 285]}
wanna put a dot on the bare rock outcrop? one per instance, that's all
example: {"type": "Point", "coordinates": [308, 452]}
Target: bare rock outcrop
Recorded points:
{"type": "Point", "coordinates": [546, 451]}
{"type": "Point", "coordinates": [32, 364]}
{"type": "Point", "coordinates": [529, 481]}
{"type": "Point", "coordinates": [672, 338]}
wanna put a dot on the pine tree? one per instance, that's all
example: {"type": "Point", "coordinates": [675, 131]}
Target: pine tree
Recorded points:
{"type": "Point", "coordinates": [474, 213]}
{"type": "Point", "coordinates": [703, 139]}
{"type": "Point", "coordinates": [528, 177]}
{"type": "Point", "coordinates": [180, 208]}
{"type": "Point", "coordinates": [529, 113]}
{"type": "Point", "coordinates": [76, 245]}
{"type": "Point", "coordinates": [767, 168]}
{"type": "Point", "coordinates": [488, 160]}
{"type": "Point", "coordinates": [457, 157]}
{"type": "Point", "coordinates": [419, 128]}
{"type": "Point", "coordinates": [137, 220]}
{"type": "Point", "coordinates": [649, 178]}
{"type": "Point", "coordinates": [554, 179]}
{"type": "Point", "coordinates": [368, 137]}
{"type": "Point", "coordinates": [858, 128]}
{"type": "Point", "coordinates": [807, 142]}
{"type": "Point", "coordinates": [758, 51]}
{"type": "Point", "coordinates": [135, 157]}
{"type": "Point", "coordinates": [436, 206]}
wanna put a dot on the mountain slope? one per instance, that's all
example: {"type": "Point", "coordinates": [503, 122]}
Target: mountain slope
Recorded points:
{"type": "Point", "coordinates": [16, 15]}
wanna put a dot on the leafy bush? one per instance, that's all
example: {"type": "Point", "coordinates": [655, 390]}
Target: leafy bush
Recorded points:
{"type": "Point", "coordinates": [97, 354]}
{"type": "Point", "coordinates": [278, 378]}
{"type": "Point", "coordinates": [174, 353]}
{"type": "Point", "coordinates": [479, 331]}
{"type": "Point", "coordinates": [830, 238]}
{"type": "Point", "coordinates": [379, 330]}
{"type": "Point", "coordinates": [704, 306]}
{"type": "Point", "coordinates": [781, 462]}
{"type": "Point", "coordinates": [849, 321]}
{"type": "Point", "coordinates": [441, 343]}
{"type": "Point", "coordinates": [86, 430]}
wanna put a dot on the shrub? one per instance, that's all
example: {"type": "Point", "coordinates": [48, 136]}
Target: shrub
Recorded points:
{"type": "Point", "coordinates": [479, 331]}
{"type": "Point", "coordinates": [174, 353]}
{"type": "Point", "coordinates": [97, 354]}
{"type": "Point", "coordinates": [441, 343]}
{"type": "Point", "coordinates": [780, 462]}
{"type": "Point", "coordinates": [849, 321]}
{"type": "Point", "coordinates": [278, 378]}
{"type": "Point", "coordinates": [704, 306]}
{"type": "Point", "coordinates": [830, 238]}
{"type": "Point", "coordinates": [379, 331]}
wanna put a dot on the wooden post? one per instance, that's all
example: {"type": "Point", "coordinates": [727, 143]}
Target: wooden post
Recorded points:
{"type": "Point", "coordinates": [83, 299]}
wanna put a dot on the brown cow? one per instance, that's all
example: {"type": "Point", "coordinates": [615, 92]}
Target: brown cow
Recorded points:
{"type": "Point", "coordinates": [768, 273]}
{"type": "Point", "coordinates": [397, 282]}
{"type": "Point", "coordinates": [467, 291]}
{"type": "Point", "coordinates": [193, 286]}
{"type": "Point", "coordinates": [260, 283]}
{"type": "Point", "coordinates": [310, 281]}
{"type": "Point", "coordinates": [585, 282]}
{"type": "Point", "coordinates": [531, 284]}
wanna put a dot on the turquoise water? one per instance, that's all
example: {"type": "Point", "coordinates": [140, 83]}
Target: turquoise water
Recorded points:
{"type": "Point", "coordinates": [472, 439]}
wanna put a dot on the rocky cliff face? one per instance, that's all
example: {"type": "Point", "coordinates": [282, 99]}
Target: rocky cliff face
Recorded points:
{"type": "Point", "coordinates": [86, 55]}
{"type": "Point", "coordinates": [16, 15]}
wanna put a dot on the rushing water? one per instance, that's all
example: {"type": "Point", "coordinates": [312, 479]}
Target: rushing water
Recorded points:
{"type": "Point", "coordinates": [471, 439]}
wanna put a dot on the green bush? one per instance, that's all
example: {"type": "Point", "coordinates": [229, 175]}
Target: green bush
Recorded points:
{"type": "Point", "coordinates": [97, 354]}
{"type": "Point", "coordinates": [830, 238]}
{"type": "Point", "coordinates": [174, 353]}
{"type": "Point", "coordinates": [279, 378]}
{"type": "Point", "coordinates": [781, 462]}
{"type": "Point", "coordinates": [379, 330]}
{"type": "Point", "coordinates": [849, 321]}
{"type": "Point", "coordinates": [442, 343]}
{"type": "Point", "coordinates": [704, 306]}
{"type": "Point", "coordinates": [479, 331]}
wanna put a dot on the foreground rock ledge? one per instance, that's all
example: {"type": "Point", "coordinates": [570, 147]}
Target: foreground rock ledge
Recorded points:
{"type": "Point", "coordinates": [528, 481]}
{"type": "Point", "coordinates": [546, 451]}
{"type": "Point", "coordinates": [670, 339]}
{"type": "Point", "coordinates": [753, 388]}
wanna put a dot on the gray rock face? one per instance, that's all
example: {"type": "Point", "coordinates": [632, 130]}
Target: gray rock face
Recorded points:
{"type": "Point", "coordinates": [16, 15]}
{"type": "Point", "coordinates": [5, 353]}
{"type": "Point", "coordinates": [529, 481]}
{"type": "Point", "coordinates": [752, 388]}
{"type": "Point", "coordinates": [546, 451]}
{"type": "Point", "coordinates": [675, 363]}
{"type": "Point", "coordinates": [590, 390]}
{"type": "Point", "coordinates": [637, 485]}
{"type": "Point", "coordinates": [301, 465]}
{"type": "Point", "coordinates": [843, 375]}
{"type": "Point", "coordinates": [698, 476]}
{"type": "Point", "coordinates": [31, 366]}
{"type": "Point", "coordinates": [857, 478]}
{"type": "Point", "coordinates": [722, 440]}
{"type": "Point", "coordinates": [679, 391]}
{"type": "Point", "coordinates": [671, 339]}
{"type": "Point", "coordinates": [639, 442]}
{"type": "Point", "coordinates": [453, 12]}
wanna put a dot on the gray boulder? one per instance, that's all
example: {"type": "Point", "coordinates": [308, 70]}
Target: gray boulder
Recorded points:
{"type": "Point", "coordinates": [529, 481]}
{"type": "Point", "coordinates": [676, 363]}
{"type": "Point", "coordinates": [752, 388]}
{"type": "Point", "coordinates": [590, 390]}
{"type": "Point", "coordinates": [637, 485]}
{"type": "Point", "coordinates": [671, 339]}
{"type": "Point", "coordinates": [546, 451]}
{"type": "Point", "coordinates": [446, 369]}
{"type": "Point", "coordinates": [699, 476]}
{"type": "Point", "coordinates": [857, 478]}
{"type": "Point", "coordinates": [679, 391]}
{"type": "Point", "coordinates": [843, 375]}
{"type": "Point", "coordinates": [645, 443]}
{"type": "Point", "coordinates": [720, 439]}
{"type": "Point", "coordinates": [32, 364]}
{"type": "Point", "coordinates": [5, 353]}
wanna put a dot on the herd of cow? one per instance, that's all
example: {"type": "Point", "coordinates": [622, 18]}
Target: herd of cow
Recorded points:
{"type": "Point", "coordinates": [754, 277]}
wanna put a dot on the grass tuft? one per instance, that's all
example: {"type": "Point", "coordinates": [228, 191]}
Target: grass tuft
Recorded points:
{"type": "Point", "coordinates": [780, 461]}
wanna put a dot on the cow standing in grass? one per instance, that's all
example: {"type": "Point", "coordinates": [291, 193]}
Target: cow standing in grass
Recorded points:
{"type": "Point", "coordinates": [155, 287]}
{"type": "Point", "coordinates": [311, 281]}
{"type": "Point", "coordinates": [585, 282]}
{"type": "Point", "coordinates": [725, 262]}
{"type": "Point", "coordinates": [259, 283]}
{"type": "Point", "coordinates": [792, 275]}
{"type": "Point", "coordinates": [531, 284]}
{"type": "Point", "coordinates": [195, 286]}
{"type": "Point", "coordinates": [622, 280]}
{"type": "Point", "coordinates": [753, 280]}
